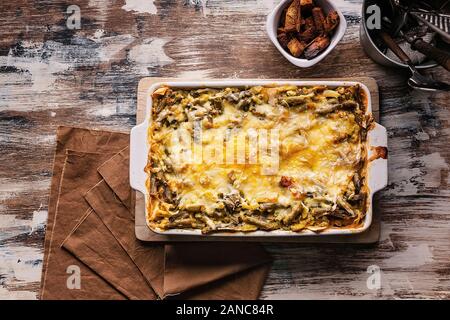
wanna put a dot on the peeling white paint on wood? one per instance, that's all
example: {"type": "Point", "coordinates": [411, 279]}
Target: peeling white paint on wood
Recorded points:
{"type": "Point", "coordinates": [350, 8]}
{"type": "Point", "coordinates": [10, 294]}
{"type": "Point", "coordinates": [201, 4]}
{"type": "Point", "coordinates": [434, 168]}
{"type": "Point", "coordinates": [413, 257]}
{"type": "Point", "coordinates": [102, 7]}
{"type": "Point", "coordinates": [414, 172]}
{"type": "Point", "coordinates": [111, 47]}
{"type": "Point", "coordinates": [140, 6]}
{"type": "Point", "coordinates": [149, 54]}
{"type": "Point", "coordinates": [42, 73]}
{"type": "Point", "coordinates": [195, 74]}
{"type": "Point", "coordinates": [19, 265]}
{"type": "Point", "coordinates": [10, 188]}
{"type": "Point", "coordinates": [12, 226]}
{"type": "Point", "coordinates": [110, 109]}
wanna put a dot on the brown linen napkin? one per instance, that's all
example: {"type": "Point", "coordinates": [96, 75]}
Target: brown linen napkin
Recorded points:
{"type": "Point", "coordinates": [84, 140]}
{"type": "Point", "coordinates": [111, 262]}
{"type": "Point", "coordinates": [70, 210]}
{"type": "Point", "coordinates": [120, 223]}
{"type": "Point", "coordinates": [246, 285]}
{"type": "Point", "coordinates": [191, 265]}
{"type": "Point", "coordinates": [222, 271]}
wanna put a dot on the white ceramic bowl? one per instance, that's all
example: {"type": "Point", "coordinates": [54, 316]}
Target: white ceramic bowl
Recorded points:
{"type": "Point", "coordinates": [139, 148]}
{"type": "Point", "coordinates": [272, 24]}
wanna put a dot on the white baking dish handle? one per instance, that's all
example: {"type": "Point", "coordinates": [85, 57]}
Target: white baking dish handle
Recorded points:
{"type": "Point", "coordinates": [138, 157]}
{"type": "Point", "coordinates": [378, 168]}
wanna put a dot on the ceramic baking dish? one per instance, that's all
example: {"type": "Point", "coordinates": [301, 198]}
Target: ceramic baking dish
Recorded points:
{"type": "Point", "coordinates": [376, 174]}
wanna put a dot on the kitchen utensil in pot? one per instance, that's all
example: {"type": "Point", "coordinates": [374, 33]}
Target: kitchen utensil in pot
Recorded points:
{"type": "Point", "coordinates": [440, 56]}
{"type": "Point", "coordinates": [416, 81]}
{"type": "Point", "coordinates": [371, 43]}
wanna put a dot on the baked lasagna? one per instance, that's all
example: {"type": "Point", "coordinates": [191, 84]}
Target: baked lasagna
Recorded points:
{"type": "Point", "coordinates": [242, 159]}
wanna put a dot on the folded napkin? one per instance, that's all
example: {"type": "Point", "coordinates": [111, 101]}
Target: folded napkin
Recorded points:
{"type": "Point", "coordinates": [84, 140]}
{"type": "Point", "coordinates": [65, 210]}
{"type": "Point", "coordinates": [101, 235]}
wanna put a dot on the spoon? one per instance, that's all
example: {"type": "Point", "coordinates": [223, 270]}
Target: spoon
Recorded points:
{"type": "Point", "coordinates": [416, 81]}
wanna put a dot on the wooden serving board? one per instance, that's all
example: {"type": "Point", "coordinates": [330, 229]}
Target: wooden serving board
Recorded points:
{"type": "Point", "coordinates": [145, 234]}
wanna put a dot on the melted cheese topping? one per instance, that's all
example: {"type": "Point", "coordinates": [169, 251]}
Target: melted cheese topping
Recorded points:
{"type": "Point", "coordinates": [221, 156]}
{"type": "Point", "coordinates": [308, 155]}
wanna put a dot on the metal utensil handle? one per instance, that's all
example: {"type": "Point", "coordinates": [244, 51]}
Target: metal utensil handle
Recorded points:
{"type": "Point", "coordinates": [440, 56]}
{"type": "Point", "coordinates": [395, 47]}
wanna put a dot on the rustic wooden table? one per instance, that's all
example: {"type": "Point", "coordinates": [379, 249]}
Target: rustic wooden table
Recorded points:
{"type": "Point", "coordinates": [51, 75]}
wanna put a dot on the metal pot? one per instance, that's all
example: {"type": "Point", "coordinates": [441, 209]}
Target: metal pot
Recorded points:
{"type": "Point", "coordinates": [375, 53]}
